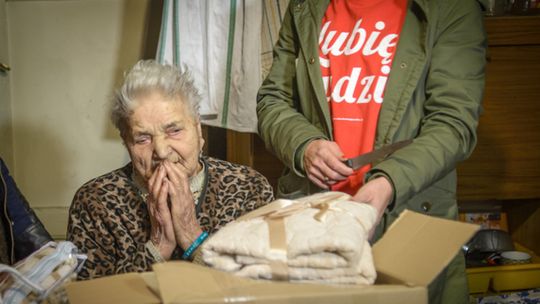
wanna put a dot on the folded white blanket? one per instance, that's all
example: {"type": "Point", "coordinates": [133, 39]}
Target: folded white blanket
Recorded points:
{"type": "Point", "coordinates": [334, 249]}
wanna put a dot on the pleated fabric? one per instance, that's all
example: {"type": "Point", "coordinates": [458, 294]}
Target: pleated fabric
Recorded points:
{"type": "Point", "coordinates": [220, 42]}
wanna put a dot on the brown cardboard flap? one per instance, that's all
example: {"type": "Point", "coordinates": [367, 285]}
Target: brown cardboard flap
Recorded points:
{"type": "Point", "coordinates": [151, 282]}
{"type": "Point", "coordinates": [181, 282]}
{"type": "Point", "coordinates": [125, 288]}
{"type": "Point", "coordinates": [201, 281]}
{"type": "Point", "coordinates": [417, 247]}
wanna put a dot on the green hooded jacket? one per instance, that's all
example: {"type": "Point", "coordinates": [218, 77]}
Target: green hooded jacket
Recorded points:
{"type": "Point", "coordinates": [433, 95]}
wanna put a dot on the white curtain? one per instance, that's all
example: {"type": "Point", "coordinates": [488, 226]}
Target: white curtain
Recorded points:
{"type": "Point", "coordinates": [220, 42]}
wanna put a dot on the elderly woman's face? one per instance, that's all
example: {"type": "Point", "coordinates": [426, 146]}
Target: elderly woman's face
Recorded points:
{"type": "Point", "coordinates": [161, 129]}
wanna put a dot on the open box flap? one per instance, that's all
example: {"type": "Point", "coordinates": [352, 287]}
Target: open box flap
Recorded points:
{"type": "Point", "coordinates": [125, 288]}
{"type": "Point", "coordinates": [417, 247]}
{"type": "Point", "coordinates": [181, 282]}
{"type": "Point", "coordinates": [201, 282]}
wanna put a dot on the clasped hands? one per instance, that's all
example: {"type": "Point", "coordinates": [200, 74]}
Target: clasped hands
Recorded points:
{"type": "Point", "coordinates": [172, 209]}
{"type": "Point", "coordinates": [323, 164]}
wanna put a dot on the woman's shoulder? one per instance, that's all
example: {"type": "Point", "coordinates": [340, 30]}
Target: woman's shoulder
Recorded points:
{"type": "Point", "coordinates": [235, 184]}
{"type": "Point", "coordinates": [110, 182]}
{"type": "Point", "coordinates": [225, 169]}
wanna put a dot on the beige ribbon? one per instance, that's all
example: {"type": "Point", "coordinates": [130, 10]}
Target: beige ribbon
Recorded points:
{"type": "Point", "coordinates": [275, 213]}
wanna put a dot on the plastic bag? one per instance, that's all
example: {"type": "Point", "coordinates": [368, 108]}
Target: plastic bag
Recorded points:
{"type": "Point", "coordinates": [35, 278]}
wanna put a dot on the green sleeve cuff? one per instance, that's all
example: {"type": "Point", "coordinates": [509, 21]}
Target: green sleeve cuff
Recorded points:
{"type": "Point", "coordinates": [299, 157]}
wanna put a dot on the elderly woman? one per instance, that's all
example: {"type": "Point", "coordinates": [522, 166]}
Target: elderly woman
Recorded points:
{"type": "Point", "coordinates": [165, 202]}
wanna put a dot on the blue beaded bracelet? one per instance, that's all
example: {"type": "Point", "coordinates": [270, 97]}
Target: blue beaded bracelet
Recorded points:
{"type": "Point", "coordinates": [187, 254]}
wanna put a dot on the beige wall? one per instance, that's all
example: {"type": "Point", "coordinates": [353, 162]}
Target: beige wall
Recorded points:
{"type": "Point", "coordinates": [6, 139]}
{"type": "Point", "coordinates": [66, 58]}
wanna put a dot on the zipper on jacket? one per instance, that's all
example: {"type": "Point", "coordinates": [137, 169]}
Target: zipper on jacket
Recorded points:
{"type": "Point", "coordinates": [8, 221]}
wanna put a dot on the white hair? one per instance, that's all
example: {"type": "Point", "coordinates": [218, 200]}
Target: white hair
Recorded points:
{"type": "Point", "coordinates": [150, 76]}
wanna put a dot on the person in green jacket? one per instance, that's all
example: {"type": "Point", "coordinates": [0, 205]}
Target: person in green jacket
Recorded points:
{"type": "Point", "coordinates": [421, 77]}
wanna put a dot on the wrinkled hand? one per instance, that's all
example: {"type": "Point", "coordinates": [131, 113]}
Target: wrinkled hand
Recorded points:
{"type": "Point", "coordinates": [378, 192]}
{"type": "Point", "coordinates": [323, 163]}
{"type": "Point", "coordinates": [185, 225]}
{"type": "Point", "coordinates": [161, 231]}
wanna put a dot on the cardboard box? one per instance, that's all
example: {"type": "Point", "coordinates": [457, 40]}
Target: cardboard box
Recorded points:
{"type": "Point", "coordinates": [409, 256]}
{"type": "Point", "coordinates": [486, 220]}
{"type": "Point", "coordinates": [487, 214]}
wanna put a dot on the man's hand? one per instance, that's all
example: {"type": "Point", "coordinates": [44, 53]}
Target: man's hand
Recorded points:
{"type": "Point", "coordinates": [323, 163]}
{"type": "Point", "coordinates": [161, 231]}
{"type": "Point", "coordinates": [182, 207]}
{"type": "Point", "coordinates": [378, 192]}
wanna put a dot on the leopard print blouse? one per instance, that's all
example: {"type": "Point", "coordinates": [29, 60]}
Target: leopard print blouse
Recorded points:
{"type": "Point", "coordinates": [109, 222]}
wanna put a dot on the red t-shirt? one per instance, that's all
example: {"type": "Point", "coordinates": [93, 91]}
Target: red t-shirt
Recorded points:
{"type": "Point", "coordinates": [356, 46]}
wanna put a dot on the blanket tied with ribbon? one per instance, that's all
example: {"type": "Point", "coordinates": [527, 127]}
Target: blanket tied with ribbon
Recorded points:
{"type": "Point", "coordinates": [321, 238]}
